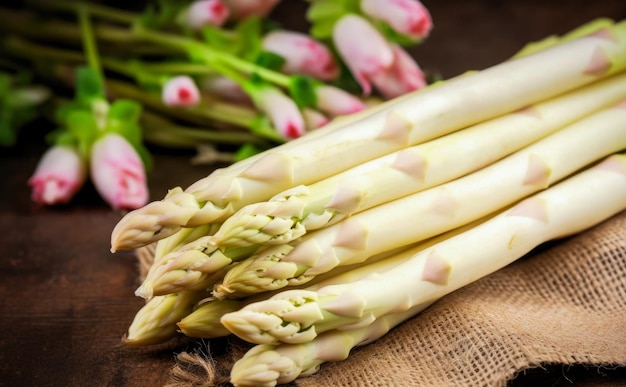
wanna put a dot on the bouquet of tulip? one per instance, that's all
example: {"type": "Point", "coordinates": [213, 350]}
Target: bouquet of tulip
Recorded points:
{"type": "Point", "coordinates": [318, 245]}
{"type": "Point", "coordinates": [219, 76]}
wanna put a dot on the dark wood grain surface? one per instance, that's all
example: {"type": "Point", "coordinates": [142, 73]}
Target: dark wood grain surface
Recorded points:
{"type": "Point", "coordinates": [65, 300]}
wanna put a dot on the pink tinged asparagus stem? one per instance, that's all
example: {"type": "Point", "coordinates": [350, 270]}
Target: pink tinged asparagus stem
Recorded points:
{"type": "Point", "coordinates": [581, 201]}
{"type": "Point", "coordinates": [290, 214]}
{"type": "Point", "coordinates": [437, 209]}
{"type": "Point", "coordinates": [427, 114]}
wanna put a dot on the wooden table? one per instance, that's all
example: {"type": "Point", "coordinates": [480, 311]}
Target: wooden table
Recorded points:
{"type": "Point", "coordinates": [66, 300]}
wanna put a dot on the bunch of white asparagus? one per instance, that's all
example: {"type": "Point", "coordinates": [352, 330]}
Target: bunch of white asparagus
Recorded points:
{"type": "Point", "coordinates": [327, 242]}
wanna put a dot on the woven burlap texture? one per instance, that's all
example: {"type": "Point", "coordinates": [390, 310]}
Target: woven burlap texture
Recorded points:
{"type": "Point", "coordinates": [564, 303]}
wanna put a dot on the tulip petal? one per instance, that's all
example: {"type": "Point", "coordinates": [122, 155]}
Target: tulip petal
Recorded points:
{"type": "Point", "coordinates": [407, 17]}
{"type": "Point", "coordinates": [118, 173]}
{"type": "Point", "coordinates": [302, 54]}
{"type": "Point", "coordinates": [363, 49]}
{"type": "Point", "coordinates": [60, 173]}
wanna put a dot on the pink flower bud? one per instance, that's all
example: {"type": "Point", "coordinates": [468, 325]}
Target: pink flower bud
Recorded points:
{"type": "Point", "coordinates": [407, 17]}
{"type": "Point", "coordinates": [302, 54]}
{"type": "Point", "coordinates": [313, 119]}
{"type": "Point", "coordinates": [60, 173]}
{"type": "Point", "coordinates": [403, 77]}
{"type": "Point", "coordinates": [180, 91]}
{"type": "Point", "coordinates": [206, 13]}
{"type": "Point", "coordinates": [363, 49]}
{"type": "Point", "coordinates": [336, 102]}
{"type": "Point", "coordinates": [282, 111]}
{"type": "Point", "coordinates": [241, 9]}
{"type": "Point", "coordinates": [225, 88]}
{"type": "Point", "coordinates": [118, 173]}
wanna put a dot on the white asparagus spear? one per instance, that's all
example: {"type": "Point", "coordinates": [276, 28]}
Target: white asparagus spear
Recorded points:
{"type": "Point", "coordinates": [428, 114]}
{"type": "Point", "coordinates": [266, 365]}
{"type": "Point", "coordinates": [432, 211]}
{"type": "Point", "coordinates": [204, 320]}
{"type": "Point", "coordinates": [575, 204]}
{"type": "Point", "coordinates": [156, 321]}
{"type": "Point", "coordinates": [292, 213]}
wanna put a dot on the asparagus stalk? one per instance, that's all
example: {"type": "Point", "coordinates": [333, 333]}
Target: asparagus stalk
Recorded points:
{"type": "Point", "coordinates": [292, 213]}
{"type": "Point", "coordinates": [432, 211]}
{"type": "Point", "coordinates": [267, 365]}
{"type": "Point", "coordinates": [205, 322]}
{"type": "Point", "coordinates": [196, 265]}
{"type": "Point", "coordinates": [156, 321]}
{"type": "Point", "coordinates": [182, 238]}
{"type": "Point", "coordinates": [577, 203]}
{"type": "Point", "coordinates": [428, 114]}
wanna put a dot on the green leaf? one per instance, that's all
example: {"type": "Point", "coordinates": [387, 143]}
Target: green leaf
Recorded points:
{"type": "Point", "coordinates": [162, 14]}
{"type": "Point", "coordinates": [123, 118]}
{"type": "Point", "coordinates": [323, 14]}
{"type": "Point", "coordinates": [219, 39]}
{"type": "Point", "coordinates": [270, 60]}
{"type": "Point", "coordinates": [88, 85]}
{"type": "Point", "coordinates": [245, 151]}
{"type": "Point", "coordinates": [302, 90]}
{"type": "Point", "coordinates": [249, 33]}
{"type": "Point", "coordinates": [82, 126]}
{"type": "Point", "coordinates": [61, 137]}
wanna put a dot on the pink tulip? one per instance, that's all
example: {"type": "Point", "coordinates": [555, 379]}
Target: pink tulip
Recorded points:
{"type": "Point", "coordinates": [282, 111]}
{"type": "Point", "coordinates": [61, 172]}
{"type": "Point", "coordinates": [118, 173]}
{"type": "Point", "coordinates": [180, 91]}
{"type": "Point", "coordinates": [225, 88]}
{"type": "Point", "coordinates": [206, 13]}
{"type": "Point", "coordinates": [407, 17]}
{"type": "Point", "coordinates": [336, 102]}
{"type": "Point", "coordinates": [404, 76]}
{"type": "Point", "coordinates": [364, 50]}
{"type": "Point", "coordinates": [241, 9]}
{"type": "Point", "coordinates": [313, 119]}
{"type": "Point", "coordinates": [302, 54]}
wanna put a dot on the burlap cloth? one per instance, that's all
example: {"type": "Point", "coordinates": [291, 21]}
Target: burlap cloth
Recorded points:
{"type": "Point", "coordinates": [565, 303]}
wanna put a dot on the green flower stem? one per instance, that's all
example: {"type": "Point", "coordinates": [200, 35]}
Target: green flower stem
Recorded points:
{"type": "Point", "coordinates": [223, 113]}
{"type": "Point", "coordinates": [98, 10]}
{"type": "Point", "coordinates": [16, 46]}
{"type": "Point", "coordinates": [31, 25]}
{"type": "Point", "coordinates": [89, 41]}
{"type": "Point", "coordinates": [214, 58]}
{"type": "Point", "coordinates": [129, 66]}
{"type": "Point", "coordinates": [162, 130]}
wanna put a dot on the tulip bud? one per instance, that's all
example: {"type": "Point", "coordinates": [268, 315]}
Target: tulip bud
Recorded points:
{"type": "Point", "coordinates": [407, 17]}
{"type": "Point", "coordinates": [118, 173]}
{"type": "Point", "coordinates": [404, 76]}
{"type": "Point", "coordinates": [363, 49]}
{"type": "Point", "coordinates": [60, 173]}
{"type": "Point", "coordinates": [225, 88]}
{"type": "Point", "coordinates": [282, 111]}
{"type": "Point", "coordinates": [313, 119]}
{"type": "Point", "coordinates": [302, 54]}
{"type": "Point", "coordinates": [241, 9]}
{"type": "Point", "coordinates": [336, 102]}
{"type": "Point", "coordinates": [206, 13]}
{"type": "Point", "coordinates": [180, 91]}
